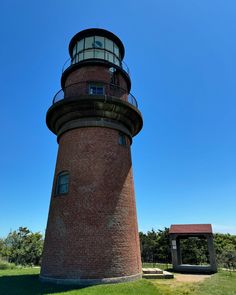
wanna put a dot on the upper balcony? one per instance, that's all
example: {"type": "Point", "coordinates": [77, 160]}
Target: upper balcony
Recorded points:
{"type": "Point", "coordinates": [96, 54]}
{"type": "Point", "coordinates": [92, 88]}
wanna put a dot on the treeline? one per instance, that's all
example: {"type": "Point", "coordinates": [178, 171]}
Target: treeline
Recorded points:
{"type": "Point", "coordinates": [23, 247]}
{"type": "Point", "coordinates": [155, 248]}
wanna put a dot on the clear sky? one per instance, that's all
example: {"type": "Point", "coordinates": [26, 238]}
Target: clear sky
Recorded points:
{"type": "Point", "coordinates": [182, 57]}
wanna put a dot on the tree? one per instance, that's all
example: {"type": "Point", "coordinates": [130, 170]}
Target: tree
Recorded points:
{"type": "Point", "coordinates": [1, 246]}
{"type": "Point", "coordinates": [163, 253]}
{"type": "Point", "coordinates": [227, 258]}
{"type": "Point", "coordinates": [23, 247]}
{"type": "Point", "coordinates": [148, 245]}
{"type": "Point", "coordinates": [155, 246]}
{"type": "Point", "coordinates": [194, 250]}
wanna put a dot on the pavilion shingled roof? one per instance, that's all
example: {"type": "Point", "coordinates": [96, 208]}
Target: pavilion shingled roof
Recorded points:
{"type": "Point", "coordinates": [190, 229]}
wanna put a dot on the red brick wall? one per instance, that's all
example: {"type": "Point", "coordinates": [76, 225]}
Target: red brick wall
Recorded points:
{"type": "Point", "coordinates": [92, 231]}
{"type": "Point", "coordinates": [94, 73]}
{"type": "Point", "coordinates": [76, 83]}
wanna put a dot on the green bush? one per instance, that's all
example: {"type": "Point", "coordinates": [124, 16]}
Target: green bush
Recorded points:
{"type": "Point", "coordinates": [22, 247]}
{"type": "Point", "coordinates": [6, 265]}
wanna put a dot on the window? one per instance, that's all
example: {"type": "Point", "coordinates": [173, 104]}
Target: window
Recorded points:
{"type": "Point", "coordinates": [122, 139]}
{"type": "Point", "coordinates": [62, 183]}
{"type": "Point", "coordinates": [96, 89]}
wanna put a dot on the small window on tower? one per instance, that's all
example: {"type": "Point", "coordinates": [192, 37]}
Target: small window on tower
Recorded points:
{"type": "Point", "coordinates": [122, 139]}
{"type": "Point", "coordinates": [96, 89]}
{"type": "Point", "coordinates": [62, 183]}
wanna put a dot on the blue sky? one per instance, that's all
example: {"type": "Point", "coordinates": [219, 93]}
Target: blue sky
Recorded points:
{"type": "Point", "coordinates": [182, 57]}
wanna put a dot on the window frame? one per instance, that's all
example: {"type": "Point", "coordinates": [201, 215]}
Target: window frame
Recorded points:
{"type": "Point", "coordinates": [58, 192]}
{"type": "Point", "coordinates": [122, 139]}
{"type": "Point", "coordinates": [96, 85]}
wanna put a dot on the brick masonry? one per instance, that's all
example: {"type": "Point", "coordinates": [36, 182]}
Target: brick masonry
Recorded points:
{"type": "Point", "coordinates": [92, 231]}
{"type": "Point", "coordinates": [94, 73]}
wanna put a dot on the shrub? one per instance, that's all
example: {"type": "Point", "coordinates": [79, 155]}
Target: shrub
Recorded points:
{"type": "Point", "coordinates": [6, 265]}
{"type": "Point", "coordinates": [22, 247]}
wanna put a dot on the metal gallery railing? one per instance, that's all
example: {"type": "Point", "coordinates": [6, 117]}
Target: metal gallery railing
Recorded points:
{"type": "Point", "coordinates": [96, 53]}
{"type": "Point", "coordinates": [95, 88]}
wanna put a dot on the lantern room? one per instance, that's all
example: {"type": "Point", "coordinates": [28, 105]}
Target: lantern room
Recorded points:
{"type": "Point", "coordinates": [96, 44]}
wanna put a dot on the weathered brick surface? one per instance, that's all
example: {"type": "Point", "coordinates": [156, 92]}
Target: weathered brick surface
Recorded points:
{"type": "Point", "coordinates": [94, 73]}
{"type": "Point", "coordinates": [77, 82]}
{"type": "Point", "coordinates": [92, 231]}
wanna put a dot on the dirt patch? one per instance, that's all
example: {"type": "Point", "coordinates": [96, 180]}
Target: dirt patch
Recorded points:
{"type": "Point", "coordinates": [187, 278]}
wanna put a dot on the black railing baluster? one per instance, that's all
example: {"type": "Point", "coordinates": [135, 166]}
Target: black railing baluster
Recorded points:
{"type": "Point", "coordinates": [83, 88]}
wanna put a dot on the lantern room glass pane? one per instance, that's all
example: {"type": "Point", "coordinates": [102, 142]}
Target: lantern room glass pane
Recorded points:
{"type": "Point", "coordinates": [81, 56]}
{"type": "Point", "coordinates": [73, 61]}
{"type": "Point", "coordinates": [116, 50]}
{"type": "Point", "coordinates": [109, 45]}
{"type": "Point", "coordinates": [89, 42]}
{"type": "Point", "coordinates": [99, 42]}
{"type": "Point", "coordinates": [99, 53]}
{"type": "Point", "coordinates": [74, 51]}
{"type": "Point", "coordinates": [116, 61]}
{"type": "Point", "coordinates": [109, 56]}
{"type": "Point", "coordinates": [80, 45]}
{"type": "Point", "coordinates": [88, 54]}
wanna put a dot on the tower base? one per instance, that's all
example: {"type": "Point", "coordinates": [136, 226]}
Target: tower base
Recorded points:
{"type": "Point", "coordinates": [88, 282]}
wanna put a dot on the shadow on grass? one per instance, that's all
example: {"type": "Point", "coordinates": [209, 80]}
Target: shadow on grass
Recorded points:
{"type": "Point", "coordinates": [30, 284]}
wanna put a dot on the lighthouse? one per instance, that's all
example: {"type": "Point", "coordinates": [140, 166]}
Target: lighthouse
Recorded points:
{"type": "Point", "coordinates": [92, 233]}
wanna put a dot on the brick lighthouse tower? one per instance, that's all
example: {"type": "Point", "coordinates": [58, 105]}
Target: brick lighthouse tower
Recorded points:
{"type": "Point", "coordinates": [92, 235]}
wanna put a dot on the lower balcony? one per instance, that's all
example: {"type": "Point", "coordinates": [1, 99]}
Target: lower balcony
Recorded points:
{"type": "Point", "coordinates": [97, 88]}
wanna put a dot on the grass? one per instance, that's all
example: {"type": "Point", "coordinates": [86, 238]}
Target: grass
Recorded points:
{"type": "Point", "coordinates": [25, 281]}
{"type": "Point", "coordinates": [222, 283]}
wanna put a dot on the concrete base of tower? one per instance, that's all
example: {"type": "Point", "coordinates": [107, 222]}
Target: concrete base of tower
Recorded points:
{"type": "Point", "coordinates": [88, 282]}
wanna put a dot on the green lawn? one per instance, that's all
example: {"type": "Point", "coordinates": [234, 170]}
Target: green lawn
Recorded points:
{"type": "Point", "coordinates": [222, 283]}
{"type": "Point", "coordinates": [25, 282]}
